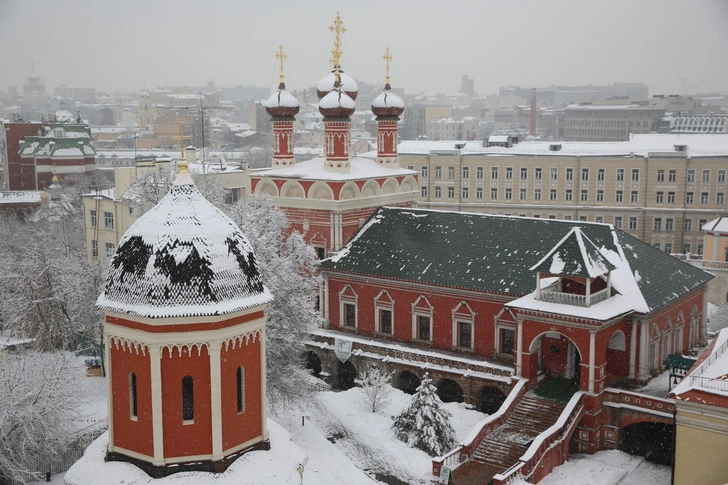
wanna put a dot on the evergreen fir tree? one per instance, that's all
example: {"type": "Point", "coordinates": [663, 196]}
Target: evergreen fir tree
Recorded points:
{"type": "Point", "coordinates": [425, 424]}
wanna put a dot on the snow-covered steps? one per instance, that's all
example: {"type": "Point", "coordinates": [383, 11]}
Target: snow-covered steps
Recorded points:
{"type": "Point", "coordinates": [502, 448]}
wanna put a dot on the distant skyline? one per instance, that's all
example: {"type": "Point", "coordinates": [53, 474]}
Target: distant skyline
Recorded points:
{"type": "Point", "coordinates": [135, 43]}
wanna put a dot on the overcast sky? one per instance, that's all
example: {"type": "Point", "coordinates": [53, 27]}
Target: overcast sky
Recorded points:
{"type": "Point", "coordinates": [130, 44]}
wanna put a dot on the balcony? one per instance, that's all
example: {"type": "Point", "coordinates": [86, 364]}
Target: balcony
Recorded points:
{"type": "Point", "coordinates": [552, 295]}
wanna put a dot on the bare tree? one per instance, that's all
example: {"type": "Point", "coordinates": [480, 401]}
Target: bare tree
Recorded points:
{"type": "Point", "coordinates": [39, 397]}
{"type": "Point", "coordinates": [377, 388]}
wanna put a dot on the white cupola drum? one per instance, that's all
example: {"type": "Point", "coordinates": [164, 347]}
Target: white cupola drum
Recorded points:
{"type": "Point", "coordinates": [387, 107]}
{"type": "Point", "coordinates": [283, 107]}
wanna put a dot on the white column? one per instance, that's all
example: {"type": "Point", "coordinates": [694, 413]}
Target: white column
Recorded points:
{"type": "Point", "coordinates": [519, 352]}
{"type": "Point", "coordinates": [538, 285]}
{"type": "Point", "coordinates": [644, 350]}
{"type": "Point", "coordinates": [155, 359]}
{"type": "Point", "coordinates": [109, 390]}
{"type": "Point", "coordinates": [263, 400]}
{"type": "Point", "coordinates": [633, 351]}
{"type": "Point", "coordinates": [592, 358]}
{"type": "Point", "coordinates": [588, 292]}
{"type": "Point", "coordinates": [216, 398]}
{"type": "Point", "coordinates": [704, 318]}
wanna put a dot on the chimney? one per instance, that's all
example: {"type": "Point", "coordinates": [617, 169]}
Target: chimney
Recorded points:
{"type": "Point", "coordinates": [533, 112]}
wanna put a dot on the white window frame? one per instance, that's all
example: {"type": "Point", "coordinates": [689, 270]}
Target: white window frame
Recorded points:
{"type": "Point", "coordinates": [465, 316]}
{"type": "Point", "coordinates": [346, 299]}
{"type": "Point", "coordinates": [383, 301]}
{"type": "Point", "coordinates": [419, 311]}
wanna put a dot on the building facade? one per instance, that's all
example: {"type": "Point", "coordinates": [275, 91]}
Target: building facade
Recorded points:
{"type": "Point", "coordinates": [659, 188]}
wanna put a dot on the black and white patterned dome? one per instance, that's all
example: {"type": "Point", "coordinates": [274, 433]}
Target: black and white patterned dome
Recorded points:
{"type": "Point", "coordinates": [183, 258]}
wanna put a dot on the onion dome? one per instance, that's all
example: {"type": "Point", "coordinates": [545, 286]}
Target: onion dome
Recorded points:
{"type": "Point", "coordinates": [282, 104]}
{"type": "Point", "coordinates": [337, 104]}
{"type": "Point", "coordinates": [387, 103]}
{"type": "Point", "coordinates": [183, 258]}
{"type": "Point", "coordinates": [328, 84]}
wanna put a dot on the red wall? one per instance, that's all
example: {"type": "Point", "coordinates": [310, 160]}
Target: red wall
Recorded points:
{"type": "Point", "coordinates": [21, 176]}
{"type": "Point", "coordinates": [240, 428]}
{"type": "Point", "coordinates": [191, 439]}
{"type": "Point", "coordinates": [443, 301]}
{"type": "Point", "coordinates": [132, 435]}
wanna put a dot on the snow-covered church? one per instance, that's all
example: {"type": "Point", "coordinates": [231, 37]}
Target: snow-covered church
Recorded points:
{"type": "Point", "coordinates": [184, 333]}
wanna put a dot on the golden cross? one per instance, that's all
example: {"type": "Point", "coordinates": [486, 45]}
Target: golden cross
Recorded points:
{"type": "Point", "coordinates": [280, 55]}
{"type": "Point", "coordinates": [338, 28]}
{"type": "Point", "coordinates": [387, 58]}
{"type": "Point", "coordinates": [182, 138]}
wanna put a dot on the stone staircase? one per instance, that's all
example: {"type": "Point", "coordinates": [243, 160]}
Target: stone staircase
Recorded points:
{"type": "Point", "coordinates": [502, 448]}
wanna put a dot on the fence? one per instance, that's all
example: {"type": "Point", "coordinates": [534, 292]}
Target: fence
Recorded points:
{"type": "Point", "coordinates": [39, 464]}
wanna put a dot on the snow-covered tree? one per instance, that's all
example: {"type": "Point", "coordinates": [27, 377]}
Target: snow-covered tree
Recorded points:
{"type": "Point", "coordinates": [718, 318]}
{"type": "Point", "coordinates": [376, 385]}
{"type": "Point", "coordinates": [288, 268]}
{"type": "Point", "coordinates": [424, 424]}
{"type": "Point", "coordinates": [39, 397]}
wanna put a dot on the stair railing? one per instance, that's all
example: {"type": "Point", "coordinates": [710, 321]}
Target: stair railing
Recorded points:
{"type": "Point", "coordinates": [464, 451]}
{"type": "Point", "coordinates": [543, 443]}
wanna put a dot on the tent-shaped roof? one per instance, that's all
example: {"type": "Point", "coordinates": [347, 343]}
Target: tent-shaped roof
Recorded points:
{"type": "Point", "coordinates": [183, 258]}
{"type": "Point", "coordinates": [574, 255]}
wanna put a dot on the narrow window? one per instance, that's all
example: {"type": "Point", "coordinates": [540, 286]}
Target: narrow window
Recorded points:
{"type": "Point", "coordinates": [464, 334]}
{"type": "Point", "coordinates": [188, 399]}
{"type": "Point", "coordinates": [423, 327]}
{"type": "Point", "coordinates": [349, 315]}
{"type": "Point", "coordinates": [133, 396]}
{"type": "Point", "coordinates": [385, 321]}
{"type": "Point", "coordinates": [240, 378]}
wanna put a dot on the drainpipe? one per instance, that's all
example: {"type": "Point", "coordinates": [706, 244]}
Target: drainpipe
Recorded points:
{"type": "Point", "coordinates": [460, 196]}
{"type": "Point", "coordinates": [685, 192]}
{"type": "Point", "coordinates": [429, 175]}
{"type": "Point", "coordinates": [644, 199]}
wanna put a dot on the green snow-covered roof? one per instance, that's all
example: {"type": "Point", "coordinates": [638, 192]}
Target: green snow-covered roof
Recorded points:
{"type": "Point", "coordinates": [574, 255]}
{"type": "Point", "coordinates": [496, 253]}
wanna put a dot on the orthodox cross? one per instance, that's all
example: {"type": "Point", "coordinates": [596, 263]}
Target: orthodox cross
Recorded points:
{"type": "Point", "coordinates": [280, 55]}
{"type": "Point", "coordinates": [338, 28]}
{"type": "Point", "coordinates": [387, 58]}
{"type": "Point", "coordinates": [182, 138]}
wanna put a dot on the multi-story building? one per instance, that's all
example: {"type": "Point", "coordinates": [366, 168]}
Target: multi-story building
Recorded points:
{"type": "Point", "coordinates": [605, 122]}
{"type": "Point", "coordinates": [659, 188]}
{"type": "Point", "coordinates": [82, 94]}
{"type": "Point", "coordinates": [418, 117]}
{"type": "Point", "coordinates": [556, 96]}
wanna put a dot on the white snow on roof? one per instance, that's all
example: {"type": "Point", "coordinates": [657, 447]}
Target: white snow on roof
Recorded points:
{"type": "Point", "coordinates": [361, 168]}
{"type": "Point", "coordinates": [281, 98]}
{"type": "Point", "coordinates": [711, 375]}
{"type": "Point", "coordinates": [337, 98]}
{"type": "Point", "coordinates": [388, 99]}
{"type": "Point", "coordinates": [638, 144]}
{"type": "Point", "coordinates": [327, 82]}
{"type": "Point", "coordinates": [277, 466]}
{"type": "Point", "coordinates": [719, 225]}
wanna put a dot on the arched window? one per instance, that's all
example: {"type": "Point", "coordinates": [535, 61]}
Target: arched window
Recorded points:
{"type": "Point", "coordinates": [188, 399]}
{"type": "Point", "coordinates": [132, 396]}
{"type": "Point", "coordinates": [241, 389]}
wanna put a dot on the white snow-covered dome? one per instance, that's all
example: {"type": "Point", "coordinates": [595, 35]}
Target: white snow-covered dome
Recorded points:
{"type": "Point", "coordinates": [183, 258]}
{"type": "Point", "coordinates": [387, 103]}
{"type": "Point", "coordinates": [326, 85]}
{"type": "Point", "coordinates": [337, 104]}
{"type": "Point", "coordinates": [282, 103]}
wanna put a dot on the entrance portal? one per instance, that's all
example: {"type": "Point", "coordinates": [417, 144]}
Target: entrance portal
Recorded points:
{"type": "Point", "coordinates": [408, 382]}
{"type": "Point", "coordinates": [490, 399]}
{"type": "Point", "coordinates": [449, 391]}
{"type": "Point", "coordinates": [555, 354]}
{"type": "Point", "coordinates": [345, 375]}
{"type": "Point", "coordinates": [651, 440]}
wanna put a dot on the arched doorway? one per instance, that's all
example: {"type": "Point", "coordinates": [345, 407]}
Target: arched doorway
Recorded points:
{"type": "Point", "coordinates": [490, 399]}
{"type": "Point", "coordinates": [408, 382]}
{"type": "Point", "coordinates": [345, 375]}
{"type": "Point", "coordinates": [449, 391]}
{"type": "Point", "coordinates": [312, 362]}
{"type": "Point", "coordinates": [555, 354]}
{"type": "Point", "coordinates": [652, 440]}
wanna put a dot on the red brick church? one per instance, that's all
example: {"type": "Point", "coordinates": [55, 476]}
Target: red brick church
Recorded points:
{"type": "Point", "coordinates": [328, 198]}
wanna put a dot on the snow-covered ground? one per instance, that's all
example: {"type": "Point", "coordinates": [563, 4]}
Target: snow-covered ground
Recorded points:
{"type": "Point", "coordinates": [606, 468]}
{"type": "Point", "coordinates": [346, 443]}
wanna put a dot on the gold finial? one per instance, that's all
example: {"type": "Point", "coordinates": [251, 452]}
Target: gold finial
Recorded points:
{"type": "Point", "coordinates": [280, 55]}
{"type": "Point", "coordinates": [182, 138]}
{"type": "Point", "coordinates": [387, 58]}
{"type": "Point", "coordinates": [338, 28]}
{"type": "Point", "coordinates": [54, 180]}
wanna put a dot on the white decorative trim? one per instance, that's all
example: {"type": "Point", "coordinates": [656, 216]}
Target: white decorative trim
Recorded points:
{"type": "Point", "coordinates": [248, 443]}
{"type": "Point", "coordinates": [133, 454]}
{"type": "Point", "coordinates": [348, 300]}
{"type": "Point", "coordinates": [381, 303]}
{"type": "Point", "coordinates": [188, 346]}
{"type": "Point", "coordinates": [109, 391]}
{"type": "Point", "coordinates": [263, 394]}
{"type": "Point", "coordinates": [128, 344]}
{"type": "Point", "coordinates": [465, 317]}
{"type": "Point", "coordinates": [238, 340]}
{"type": "Point", "coordinates": [158, 322]}
{"type": "Point", "coordinates": [155, 354]}
{"type": "Point", "coordinates": [422, 312]}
